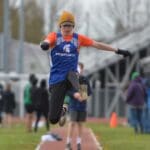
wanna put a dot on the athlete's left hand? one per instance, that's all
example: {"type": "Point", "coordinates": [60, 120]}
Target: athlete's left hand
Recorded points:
{"type": "Point", "coordinates": [125, 53]}
{"type": "Point", "coordinates": [78, 96]}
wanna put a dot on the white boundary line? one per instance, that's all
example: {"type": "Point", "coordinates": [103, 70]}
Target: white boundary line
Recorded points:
{"type": "Point", "coordinates": [99, 147]}
{"type": "Point", "coordinates": [39, 146]}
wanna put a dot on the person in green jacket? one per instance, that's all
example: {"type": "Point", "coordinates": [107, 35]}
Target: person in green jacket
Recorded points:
{"type": "Point", "coordinates": [28, 103]}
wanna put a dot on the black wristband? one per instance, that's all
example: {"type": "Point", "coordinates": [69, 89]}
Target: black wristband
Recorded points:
{"type": "Point", "coordinates": [125, 53]}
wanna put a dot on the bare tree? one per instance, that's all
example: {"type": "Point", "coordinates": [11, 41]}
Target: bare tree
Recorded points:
{"type": "Point", "coordinates": [115, 16]}
{"type": "Point", "coordinates": [53, 8]}
{"type": "Point", "coordinates": [96, 18]}
{"type": "Point", "coordinates": [1, 14]}
{"type": "Point", "coordinates": [129, 13]}
{"type": "Point", "coordinates": [33, 23]}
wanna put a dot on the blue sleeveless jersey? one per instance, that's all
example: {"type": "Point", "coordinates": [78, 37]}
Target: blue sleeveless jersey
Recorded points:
{"type": "Point", "coordinates": [64, 58]}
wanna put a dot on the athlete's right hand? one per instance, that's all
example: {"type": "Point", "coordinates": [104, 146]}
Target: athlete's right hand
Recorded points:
{"type": "Point", "coordinates": [77, 96]}
{"type": "Point", "coordinates": [44, 45]}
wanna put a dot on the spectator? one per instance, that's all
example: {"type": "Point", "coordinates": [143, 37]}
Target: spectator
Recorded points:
{"type": "Point", "coordinates": [33, 91]}
{"type": "Point", "coordinates": [146, 117]}
{"type": "Point", "coordinates": [78, 108]}
{"type": "Point", "coordinates": [1, 104]}
{"type": "Point", "coordinates": [28, 103]}
{"type": "Point", "coordinates": [136, 96]}
{"type": "Point", "coordinates": [42, 104]}
{"type": "Point", "coordinates": [9, 104]}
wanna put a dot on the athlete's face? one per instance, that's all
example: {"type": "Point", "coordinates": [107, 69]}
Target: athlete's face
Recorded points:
{"type": "Point", "coordinates": [67, 28]}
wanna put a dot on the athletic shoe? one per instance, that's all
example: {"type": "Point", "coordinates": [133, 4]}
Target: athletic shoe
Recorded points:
{"type": "Point", "coordinates": [63, 117]}
{"type": "Point", "coordinates": [50, 137]}
{"type": "Point", "coordinates": [57, 137]}
{"type": "Point", "coordinates": [68, 146]}
{"type": "Point", "coordinates": [78, 146]}
{"type": "Point", "coordinates": [73, 78]}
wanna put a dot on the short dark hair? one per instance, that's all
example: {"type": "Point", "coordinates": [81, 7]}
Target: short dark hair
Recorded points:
{"type": "Point", "coordinates": [31, 77]}
{"type": "Point", "coordinates": [34, 81]}
{"type": "Point", "coordinates": [43, 83]}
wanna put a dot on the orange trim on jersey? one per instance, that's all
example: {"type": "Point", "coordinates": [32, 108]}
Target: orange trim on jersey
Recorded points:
{"type": "Point", "coordinates": [83, 40]}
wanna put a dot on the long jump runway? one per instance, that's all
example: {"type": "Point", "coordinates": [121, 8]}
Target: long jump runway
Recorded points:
{"type": "Point", "coordinates": [89, 141]}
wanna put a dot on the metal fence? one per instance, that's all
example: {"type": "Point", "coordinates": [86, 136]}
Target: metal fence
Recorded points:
{"type": "Point", "coordinates": [100, 101]}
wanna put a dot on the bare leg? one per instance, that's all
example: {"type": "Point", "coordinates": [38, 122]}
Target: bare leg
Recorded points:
{"type": "Point", "coordinates": [80, 129]}
{"type": "Point", "coordinates": [6, 120]}
{"type": "Point", "coordinates": [70, 131]}
{"type": "Point", "coordinates": [69, 135]}
{"type": "Point", "coordinates": [29, 118]}
{"type": "Point", "coordinates": [1, 118]}
{"type": "Point", "coordinates": [9, 120]}
{"type": "Point", "coordinates": [79, 138]}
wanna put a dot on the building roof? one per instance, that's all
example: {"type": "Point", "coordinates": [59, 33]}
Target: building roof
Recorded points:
{"type": "Point", "coordinates": [34, 59]}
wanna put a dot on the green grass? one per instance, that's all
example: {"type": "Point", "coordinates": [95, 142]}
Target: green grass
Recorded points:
{"type": "Point", "coordinates": [120, 138]}
{"type": "Point", "coordinates": [16, 138]}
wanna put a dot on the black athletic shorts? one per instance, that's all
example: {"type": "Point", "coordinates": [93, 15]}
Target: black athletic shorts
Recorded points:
{"type": "Point", "coordinates": [78, 116]}
{"type": "Point", "coordinates": [29, 108]}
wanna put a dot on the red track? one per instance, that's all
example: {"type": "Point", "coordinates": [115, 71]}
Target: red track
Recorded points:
{"type": "Point", "coordinates": [88, 141]}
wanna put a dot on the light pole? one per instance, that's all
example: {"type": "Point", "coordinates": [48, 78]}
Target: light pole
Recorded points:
{"type": "Point", "coordinates": [49, 6]}
{"type": "Point", "coordinates": [20, 53]}
{"type": "Point", "coordinates": [6, 35]}
{"type": "Point", "coordinates": [46, 17]}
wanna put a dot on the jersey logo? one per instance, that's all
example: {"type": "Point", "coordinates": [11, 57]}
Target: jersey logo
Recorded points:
{"type": "Point", "coordinates": [66, 48]}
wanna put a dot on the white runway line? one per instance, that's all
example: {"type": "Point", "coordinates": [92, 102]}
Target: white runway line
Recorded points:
{"type": "Point", "coordinates": [38, 147]}
{"type": "Point", "coordinates": [99, 147]}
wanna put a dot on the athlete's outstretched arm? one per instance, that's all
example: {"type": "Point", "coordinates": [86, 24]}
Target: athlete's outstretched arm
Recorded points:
{"type": "Point", "coordinates": [103, 46]}
{"type": "Point", "coordinates": [106, 47]}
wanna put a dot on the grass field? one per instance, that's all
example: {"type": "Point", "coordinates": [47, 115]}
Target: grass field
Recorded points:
{"type": "Point", "coordinates": [120, 138]}
{"type": "Point", "coordinates": [16, 138]}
